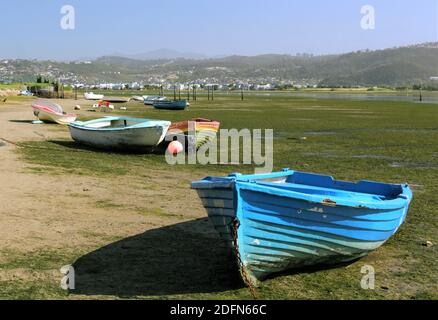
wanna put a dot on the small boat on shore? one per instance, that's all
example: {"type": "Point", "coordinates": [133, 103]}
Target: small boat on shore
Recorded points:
{"type": "Point", "coordinates": [150, 100]}
{"type": "Point", "coordinates": [120, 133]}
{"type": "Point", "coordinates": [92, 96]}
{"type": "Point", "coordinates": [47, 111]}
{"type": "Point", "coordinates": [202, 130]}
{"type": "Point", "coordinates": [278, 221]}
{"type": "Point", "coordinates": [171, 104]}
{"type": "Point", "coordinates": [138, 98]}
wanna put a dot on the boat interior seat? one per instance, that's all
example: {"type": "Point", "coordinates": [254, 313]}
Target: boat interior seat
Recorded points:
{"type": "Point", "coordinates": [325, 185]}
{"type": "Point", "coordinates": [121, 123]}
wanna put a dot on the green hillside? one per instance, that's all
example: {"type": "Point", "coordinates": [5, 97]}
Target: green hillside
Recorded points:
{"type": "Point", "coordinates": [389, 67]}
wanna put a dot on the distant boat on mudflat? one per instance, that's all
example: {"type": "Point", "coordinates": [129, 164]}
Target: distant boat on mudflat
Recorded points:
{"type": "Point", "coordinates": [120, 133]}
{"type": "Point", "coordinates": [278, 221]}
{"type": "Point", "coordinates": [138, 98]}
{"type": "Point", "coordinates": [92, 96]}
{"type": "Point", "coordinates": [150, 100]}
{"type": "Point", "coordinates": [171, 104]}
{"type": "Point", "coordinates": [47, 111]}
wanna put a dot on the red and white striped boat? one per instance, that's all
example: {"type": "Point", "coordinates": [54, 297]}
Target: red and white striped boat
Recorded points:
{"type": "Point", "coordinates": [51, 112]}
{"type": "Point", "coordinates": [203, 130]}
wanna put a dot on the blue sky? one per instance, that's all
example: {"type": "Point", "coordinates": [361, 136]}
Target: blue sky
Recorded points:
{"type": "Point", "coordinates": [31, 29]}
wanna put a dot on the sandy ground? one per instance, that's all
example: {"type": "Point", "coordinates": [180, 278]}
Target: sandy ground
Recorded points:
{"type": "Point", "coordinates": [44, 211]}
{"type": "Point", "coordinates": [125, 236]}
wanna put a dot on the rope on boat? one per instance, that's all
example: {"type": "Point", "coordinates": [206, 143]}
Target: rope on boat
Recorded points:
{"type": "Point", "coordinates": [246, 278]}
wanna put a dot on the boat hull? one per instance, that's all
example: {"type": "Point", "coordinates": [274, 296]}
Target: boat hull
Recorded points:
{"type": "Point", "coordinates": [203, 130]}
{"type": "Point", "coordinates": [171, 105]}
{"type": "Point", "coordinates": [52, 117]}
{"type": "Point", "coordinates": [138, 98]}
{"type": "Point", "coordinates": [272, 231]}
{"type": "Point", "coordinates": [134, 139]}
{"type": "Point", "coordinates": [116, 100]}
{"type": "Point", "coordinates": [92, 96]}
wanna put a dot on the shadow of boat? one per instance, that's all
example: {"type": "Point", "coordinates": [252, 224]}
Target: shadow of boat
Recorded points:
{"type": "Point", "coordinates": [22, 121]}
{"type": "Point", "coordinates": [185, 258]}
{"type": "Point", "coordinates": [70, 144]}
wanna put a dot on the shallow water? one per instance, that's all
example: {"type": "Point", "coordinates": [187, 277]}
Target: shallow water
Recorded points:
{"type": "Point", "coordinates": [414, 165]}
{"type": "Point", "coordinates": [325, 154]}
{"type": "Point", "coordinates": [346, 96]}
{"type": "Point", "coordinates": [392, 161]}
{"type": "Point", "coordinates": [366, 97]}
{"type": "Point", "coordinates": [320, 133]}
{"type": "Point", "coordinates": [370, 156]}
{"type": "Point", "coordinates": [373, 130]}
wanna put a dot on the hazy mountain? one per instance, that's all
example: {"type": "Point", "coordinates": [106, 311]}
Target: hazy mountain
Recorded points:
{"type": "Point", "coordinates": [390, 67]}
{"type": "Point", "coordinates": [164, 54]}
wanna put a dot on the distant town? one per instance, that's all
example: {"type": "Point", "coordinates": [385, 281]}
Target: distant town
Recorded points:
{"type": "Point", "coordinates": [11, 70]}
{"type": "Point", "coordinates": [395, 67]}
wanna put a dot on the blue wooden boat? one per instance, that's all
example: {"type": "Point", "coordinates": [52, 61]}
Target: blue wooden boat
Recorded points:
{"type": "Point", "coordinates": [171, 104]}
{"type": "Point", "coordinates": [291, 219]}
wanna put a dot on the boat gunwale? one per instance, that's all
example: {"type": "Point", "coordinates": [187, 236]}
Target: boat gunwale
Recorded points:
{"type": "Point", "coordinates": [201, 124]}
{"type": "Point", "coordinates": [251, 183]}
{"type": "Point", "coordinates": [142, 124]}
